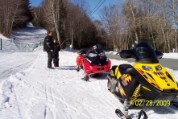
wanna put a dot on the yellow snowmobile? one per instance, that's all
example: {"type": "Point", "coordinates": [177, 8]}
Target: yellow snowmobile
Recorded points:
{"type": "Point", "coordinates": [146, 83]}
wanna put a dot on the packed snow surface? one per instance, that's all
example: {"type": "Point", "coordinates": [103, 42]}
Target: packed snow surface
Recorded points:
{"type": "Point", "coordinates": [171, 55]}
{"type": "Point", "coordinates": [39, 93]}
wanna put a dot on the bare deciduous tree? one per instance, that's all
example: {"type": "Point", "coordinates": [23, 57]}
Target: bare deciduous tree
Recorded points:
{"type": "Point", "coordinates": [14, 14]}
{"type": "Point", "coordinates": [154, 20]}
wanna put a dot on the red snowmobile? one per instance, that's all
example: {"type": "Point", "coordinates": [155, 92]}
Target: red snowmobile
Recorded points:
{"type": "Point", "coordinates": [93, 61]}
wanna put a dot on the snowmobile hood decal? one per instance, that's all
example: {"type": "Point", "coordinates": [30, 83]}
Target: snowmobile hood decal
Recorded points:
{"type": "Point", "coordinates": [160, 78]}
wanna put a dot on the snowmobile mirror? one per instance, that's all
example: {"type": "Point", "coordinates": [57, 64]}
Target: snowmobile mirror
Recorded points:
{"type": "Point", "coordinates": [159, 54]}
{"type": "Point", "coordinates": [126, 54]}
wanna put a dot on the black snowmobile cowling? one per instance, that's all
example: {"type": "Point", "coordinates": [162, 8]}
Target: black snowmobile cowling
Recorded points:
{"type": "Point", "coordinates": [142, 52]}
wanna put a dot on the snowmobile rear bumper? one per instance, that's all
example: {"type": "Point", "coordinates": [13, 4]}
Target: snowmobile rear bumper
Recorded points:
{"type": "Point", "coordinates": [97, 69]}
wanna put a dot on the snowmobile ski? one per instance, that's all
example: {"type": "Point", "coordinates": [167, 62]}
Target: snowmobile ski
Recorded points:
{"type": "Point", "coordinates": [119, 113]}
{"type": "Point", "coordinates": [141, 115]}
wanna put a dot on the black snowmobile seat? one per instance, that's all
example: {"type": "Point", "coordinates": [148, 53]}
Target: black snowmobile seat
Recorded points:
{"type": "Point", "coordinates": [125, 68]}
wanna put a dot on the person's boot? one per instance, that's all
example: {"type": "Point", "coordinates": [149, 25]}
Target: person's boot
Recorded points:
{"type": "Point", "coordinates": [50, 67]}
{"type": "Point", "coordinates": [56, 62]}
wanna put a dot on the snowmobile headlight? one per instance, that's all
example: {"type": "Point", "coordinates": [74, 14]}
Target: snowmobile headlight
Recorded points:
{"type": "Point", "coordinates": [148, 68]}
{"type": "Point", "coordinates": [158, 68]}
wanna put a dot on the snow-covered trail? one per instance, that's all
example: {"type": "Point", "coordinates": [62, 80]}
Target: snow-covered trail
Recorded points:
{"type": "Point", "coordinates": [11, 63]}
{"type": "Point", "coordinates": [40, 93]}
{"type": "Point", "coordinates": [29, 35]}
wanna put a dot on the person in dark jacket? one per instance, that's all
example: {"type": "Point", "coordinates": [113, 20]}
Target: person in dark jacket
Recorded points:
{"type": "Point", "coordinates": [49, 47]}
{"type": "Point", "coordinates": [56, 53]}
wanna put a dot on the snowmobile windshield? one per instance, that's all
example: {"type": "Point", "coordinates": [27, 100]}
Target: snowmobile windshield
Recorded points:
{"type": "Point", "coordinates": [92, 54]}
{"type": "Point", "coordinates": [95, 53]}
{"type": "Point", "coordinates": [144, 52]}
{"type": "Point", "coordinates": [97, 57]}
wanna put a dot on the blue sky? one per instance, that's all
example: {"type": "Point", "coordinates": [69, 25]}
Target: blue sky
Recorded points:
{"type": "Point", "coordinates": [91, 4]}
{"type": "Point", "coordinates": [35, 2]}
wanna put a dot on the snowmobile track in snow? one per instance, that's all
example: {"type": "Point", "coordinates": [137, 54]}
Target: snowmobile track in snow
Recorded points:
{"type": "Point", "coordinates": [61, 94]}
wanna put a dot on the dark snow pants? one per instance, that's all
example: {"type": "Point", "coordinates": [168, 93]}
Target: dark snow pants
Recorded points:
{"type": "Point", "coordinates": [50, 57]}
{"type": "Point", "coordinates": [56, 59]}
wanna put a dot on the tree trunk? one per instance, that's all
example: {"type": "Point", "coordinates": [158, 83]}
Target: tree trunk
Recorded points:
{"type": "Point", "coordinates": [72, 38]}
{"type": "Point", "coordinates": [175, 37]}
{"type": "Point", "coordinates": [133, 15]}
{"type": "Point", "coordinates": [55, 18]}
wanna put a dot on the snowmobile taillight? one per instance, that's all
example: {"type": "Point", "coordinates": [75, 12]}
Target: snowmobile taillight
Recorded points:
{"type": "Point", "coordinates": [147, 68]}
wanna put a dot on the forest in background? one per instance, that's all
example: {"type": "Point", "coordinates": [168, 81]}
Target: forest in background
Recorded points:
{"type": "Point", "coordinates": [153, 20]}
{"type": "Point", "coordinates": [71, 23]}
{"type": "Point", "coordinates": [118, 28]}
{"type": "Point", "coordinates": [14, 14]}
